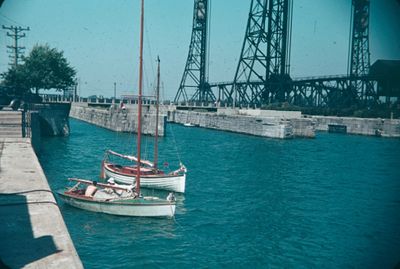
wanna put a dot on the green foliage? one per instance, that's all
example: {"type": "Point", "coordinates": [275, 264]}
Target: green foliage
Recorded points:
{"type": "Point", "coordinates": [14, 81]}
{"type": "Point", "coordinates": [44, 68]}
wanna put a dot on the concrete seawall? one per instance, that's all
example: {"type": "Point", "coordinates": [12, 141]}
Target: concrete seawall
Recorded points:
{"type": "Point", "coordinates": [266, 123]}
{"type": "Point", "coordinates": [274, 124]}
{"type": "Point", "coordinates": [11, 126]}
{"type": "Point", "coordinates": [54, 119]}
{"type": "Point", "coordinates": [120, 120]}
{"type": "Point", "coordinates": [32, 230]}
{"type": "Point", "coordinates": [361, 126]}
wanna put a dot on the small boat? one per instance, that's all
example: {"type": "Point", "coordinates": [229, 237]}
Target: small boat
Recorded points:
{"type": "Point", "coordinates": [130, 202]}
{"type": "Point", "coordinates": [188, 123]}
{"type": "Point", "coordinates": [151, 175]}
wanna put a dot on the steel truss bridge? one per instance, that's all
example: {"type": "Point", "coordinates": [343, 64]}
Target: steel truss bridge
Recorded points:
{"type": "Point", "coordinates": [327, 91]}
{"type": "Point", "coordinates": [262, 75]}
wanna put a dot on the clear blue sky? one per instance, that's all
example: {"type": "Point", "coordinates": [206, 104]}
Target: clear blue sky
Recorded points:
{"type": "Point", "coordinates": [100, 37]}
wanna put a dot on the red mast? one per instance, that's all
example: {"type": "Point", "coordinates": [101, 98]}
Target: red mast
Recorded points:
{"type": "Point", "coordinates": [139, 132]}
{"type": "Point", "coordinates": [157, 112]}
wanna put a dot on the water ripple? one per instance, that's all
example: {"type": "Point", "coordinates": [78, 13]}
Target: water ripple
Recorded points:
{"type": "Point", "coordinates": [329, 202]}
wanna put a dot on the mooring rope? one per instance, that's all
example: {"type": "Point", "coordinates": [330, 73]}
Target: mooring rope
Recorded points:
{"type": "Point", "coordinates": [176, 147]}
{"type": "Point", "coordinates": [28, 203]}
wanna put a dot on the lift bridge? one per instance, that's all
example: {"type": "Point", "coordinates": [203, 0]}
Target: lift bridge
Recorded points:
{"type": "Point", "coordinates": [262, 75]}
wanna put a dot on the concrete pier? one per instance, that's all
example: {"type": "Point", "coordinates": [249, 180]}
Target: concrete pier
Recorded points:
{"type": "Point", "coordinates": [32, 230]}
{"type": "Point", "coordinates": [361, 126]}
{"type": "Point", "coordinates": [10, 124]}
{"type": "Point", "coordinates": [121, 120]}
{"type": "Point", "coordinates": [259, 122]}
{"type": "Point", "coordinates": [266, 123]}
{"type": "Point", "coordinates": [53, 118]}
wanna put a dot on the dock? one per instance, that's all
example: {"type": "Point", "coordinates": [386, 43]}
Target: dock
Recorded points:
{"type": "Point", "coordinates": [115, 118]}
{"type": "Point", "coordinates": [10, 124]}
{"type": "Point", "coordinates": [257, 122]}
{"type": "Point", "coordinates": [32, 230]}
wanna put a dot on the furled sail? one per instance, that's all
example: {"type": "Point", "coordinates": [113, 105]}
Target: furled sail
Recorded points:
{"type": "Point", "coordinates": [131, 158]}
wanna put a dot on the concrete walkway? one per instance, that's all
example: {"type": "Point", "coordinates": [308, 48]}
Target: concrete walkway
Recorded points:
{"type": "Point", "coordinates": [32, 230]}
{"type": "Point", "coordinates": [10, 124]}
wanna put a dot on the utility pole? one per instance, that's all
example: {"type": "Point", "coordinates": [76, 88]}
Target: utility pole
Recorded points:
{"type": "Point", "coordinates": [16, 33]}
{"type": "Point", "coordinates": [115, 91]}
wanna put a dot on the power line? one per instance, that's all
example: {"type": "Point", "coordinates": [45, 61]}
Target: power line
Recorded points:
{"type": "Point", "coordinates": [16, 51]}
{"type": "Point", "coordinates": [10, 20]}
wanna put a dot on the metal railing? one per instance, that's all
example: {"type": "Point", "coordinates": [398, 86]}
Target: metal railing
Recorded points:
{"type": "Point", "coordinates": [55, 98]}
{"type": "Point", "coordinates": [26, 121]}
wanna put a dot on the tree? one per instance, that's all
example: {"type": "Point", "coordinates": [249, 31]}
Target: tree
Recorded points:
{"type": "Point", "coordinates": [15, 81]}
{"type": "Point", "coordinates": [44, 68]}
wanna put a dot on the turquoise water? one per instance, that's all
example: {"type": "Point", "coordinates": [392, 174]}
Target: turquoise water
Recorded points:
{"type": "Point", "coordinates": [251, 202]}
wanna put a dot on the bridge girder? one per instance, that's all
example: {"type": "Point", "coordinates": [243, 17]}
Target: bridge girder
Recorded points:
{"type": "Point", "coordinates": [335, 91]}
{"type": "Point", "coordinates": [194, 86]}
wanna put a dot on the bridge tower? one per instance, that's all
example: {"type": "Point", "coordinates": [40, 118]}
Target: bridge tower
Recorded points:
{"type": "Point", "coordinates": [262, 74]}
{"type": "Point", "coordinates": [194, 86]}
{"type": "Point", "coordinates": [359, 60]}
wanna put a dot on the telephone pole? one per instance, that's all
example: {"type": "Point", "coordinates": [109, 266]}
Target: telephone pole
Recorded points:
{"type": "Point", "coordinates": [115, 91]}
{"type": "Point", "coordinates": [16, 33]}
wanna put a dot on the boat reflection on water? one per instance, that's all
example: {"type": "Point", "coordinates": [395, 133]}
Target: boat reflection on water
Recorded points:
{"type": "Point", "coordinates": [179, 198]}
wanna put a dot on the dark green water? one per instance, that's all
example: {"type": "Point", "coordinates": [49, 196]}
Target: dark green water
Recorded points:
{"type": "Point", "coordinates": [329, 202]}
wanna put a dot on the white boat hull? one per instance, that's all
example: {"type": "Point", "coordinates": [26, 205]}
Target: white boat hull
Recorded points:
{"type": "Point", "coordinates": [142, 208]}
{"type": "Point", "coordinates": [174, 183]}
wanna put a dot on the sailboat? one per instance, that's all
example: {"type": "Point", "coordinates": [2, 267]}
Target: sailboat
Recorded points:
{"type": "Point", "coordinates": [151, 175]}
{"type": "Point", "coordinates": [129, 201]}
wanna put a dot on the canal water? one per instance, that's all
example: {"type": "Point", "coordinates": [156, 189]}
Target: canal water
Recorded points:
{"type": "Point", "coordinates": [251, 202]}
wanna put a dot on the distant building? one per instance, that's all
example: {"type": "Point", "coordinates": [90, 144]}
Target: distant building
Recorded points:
{"type": "Point", "coordinates": [133, 97]}
{"type": "Point", "coordinates": [387, 73]}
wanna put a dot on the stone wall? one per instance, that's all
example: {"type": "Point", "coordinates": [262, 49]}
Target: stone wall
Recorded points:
{"type": "Point", "coordinates": [274, 127]}
{"type": "Point", "coordinates": [361, 126]}
{"type": "Point", "coordinates": [261, 113]}
{"type": "Point", "coordinates": [54, 118]}
{"type": "Point", "coordinates": [10, 124]}
{"type": "Point", "coordinates": [35, 131]}
{"type": "Point", "coordinates": [120, 120]}
{"type": "Point", "coordinates": [18, 124]}
{"type": "Point", "coordinates": [303, 127]}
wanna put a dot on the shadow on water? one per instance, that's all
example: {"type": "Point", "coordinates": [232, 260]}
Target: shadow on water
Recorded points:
{"type": "Point", "coordinates": [18, 246]}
